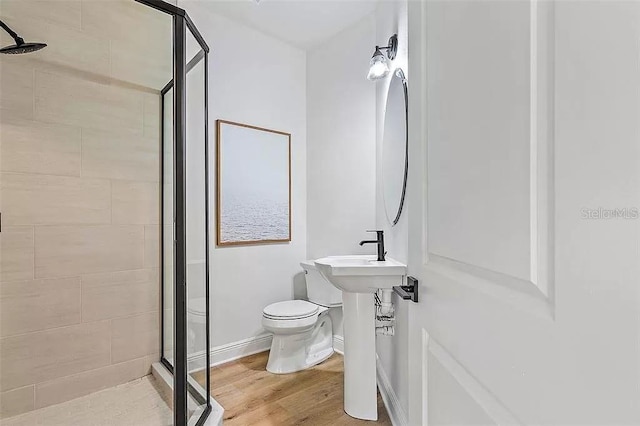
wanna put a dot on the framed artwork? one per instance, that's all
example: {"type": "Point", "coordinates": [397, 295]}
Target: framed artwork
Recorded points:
{"type": "Point", "coordinates": [253, 186]}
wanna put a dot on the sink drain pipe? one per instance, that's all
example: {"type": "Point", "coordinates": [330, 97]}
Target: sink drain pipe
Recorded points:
{"type": "Point", "coordinates": [385, 313]}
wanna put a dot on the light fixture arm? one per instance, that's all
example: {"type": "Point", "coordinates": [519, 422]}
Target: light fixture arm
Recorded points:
{"type": "Point", "coordinates": [391, 48]}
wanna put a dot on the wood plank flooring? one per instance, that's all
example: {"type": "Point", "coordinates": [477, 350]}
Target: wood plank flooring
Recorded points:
{"type": "Point", "coordinates": [252, 396]}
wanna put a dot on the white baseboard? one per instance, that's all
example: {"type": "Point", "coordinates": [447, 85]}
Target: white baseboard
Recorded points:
{"type": "Point", "coordinates": [338, 344]}
{"type": "Point", "coordinates": [230, 351]}
{"type": "Point", "coordinates": [391, 402]}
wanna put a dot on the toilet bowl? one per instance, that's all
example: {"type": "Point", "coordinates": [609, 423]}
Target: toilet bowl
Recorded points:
{"type": "Point", "coordinates": [302, 330]}
{"type": "Point", "coordinates": [196, 325]}
{"type": "Point", "coordinates": [197, 310]}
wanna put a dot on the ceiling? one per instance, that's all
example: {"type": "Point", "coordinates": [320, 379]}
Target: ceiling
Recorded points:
{"type": "Point", "coordinates": [302, 23]}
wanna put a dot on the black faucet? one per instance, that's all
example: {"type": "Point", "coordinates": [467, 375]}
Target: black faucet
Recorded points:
{"type": "Point", "coordinates": [379, 242]}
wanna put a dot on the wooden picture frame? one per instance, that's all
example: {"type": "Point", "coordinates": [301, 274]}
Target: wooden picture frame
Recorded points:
{"type": "Point", "coordinates": [250, 185]}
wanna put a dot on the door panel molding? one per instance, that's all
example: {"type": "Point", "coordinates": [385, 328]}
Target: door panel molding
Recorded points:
{"type": "Point", "coordinates": [537, 293]}
{"type": "Point", "coordinates": [482, 396]}
{"type": "Point", "coordinates": [520, 293]}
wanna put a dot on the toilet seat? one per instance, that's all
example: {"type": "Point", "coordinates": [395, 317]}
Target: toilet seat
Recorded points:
{"type": "Point", "coordinates": [289, 326]}
{"type": "Point", "coordinates": [290, 310]}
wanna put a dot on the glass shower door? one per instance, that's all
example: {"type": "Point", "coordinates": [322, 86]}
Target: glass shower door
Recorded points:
{"type": "Point", "coordinates": [197, 230]}
{"type": "Point", "coordinates": [185, 227]}
{"type": "Point", "coordinates": [167, 230]}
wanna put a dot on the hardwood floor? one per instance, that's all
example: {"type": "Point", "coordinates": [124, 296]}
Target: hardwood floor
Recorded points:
{"type": "Point", "coordinates": [252, 396]}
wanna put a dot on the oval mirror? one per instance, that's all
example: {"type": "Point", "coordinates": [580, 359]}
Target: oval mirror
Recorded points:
{"type": "Point", "coordinates": [395, 147]}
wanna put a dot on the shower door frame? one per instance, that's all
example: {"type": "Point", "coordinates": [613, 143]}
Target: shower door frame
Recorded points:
{"type": "Point", "coordinates": [202, 55]}
{"type": "Point", "coordinates": [182, 388]}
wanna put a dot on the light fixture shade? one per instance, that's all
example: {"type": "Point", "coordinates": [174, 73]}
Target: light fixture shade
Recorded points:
{"type": "Point", "coordinates": [378, 67]}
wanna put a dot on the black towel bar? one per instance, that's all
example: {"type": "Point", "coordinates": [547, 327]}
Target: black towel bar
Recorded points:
{"type": "Point", "coordinates": [409, 291]}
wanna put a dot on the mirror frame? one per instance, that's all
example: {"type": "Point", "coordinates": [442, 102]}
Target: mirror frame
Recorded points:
{"type": "Point", "coordinates": [398, 73]}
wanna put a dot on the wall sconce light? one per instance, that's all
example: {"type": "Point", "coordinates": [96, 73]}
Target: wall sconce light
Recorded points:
{"type": "Point", "coordinates": [379, 66]}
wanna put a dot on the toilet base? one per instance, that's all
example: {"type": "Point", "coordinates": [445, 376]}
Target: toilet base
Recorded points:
{"type": "Point", "coordinates": [291, 353]}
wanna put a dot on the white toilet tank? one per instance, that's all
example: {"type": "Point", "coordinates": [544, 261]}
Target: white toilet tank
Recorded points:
{"type": "Point", "coordinates": [319, 290]}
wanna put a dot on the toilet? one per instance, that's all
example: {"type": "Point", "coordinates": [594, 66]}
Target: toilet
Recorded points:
{"type": "Point", "coordinates": [197, 310]}
{"type": "Point", "coordinates": [302, 330]}
{"type": "Point", "coordinates": [196, 324]}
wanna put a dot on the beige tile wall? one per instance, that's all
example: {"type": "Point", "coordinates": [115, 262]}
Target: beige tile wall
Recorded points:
{"type": "Point", "coordinates": [79, 195]}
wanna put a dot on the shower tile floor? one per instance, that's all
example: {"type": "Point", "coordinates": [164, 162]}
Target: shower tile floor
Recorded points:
{"type": "Point", "coordinates": [137, 403]}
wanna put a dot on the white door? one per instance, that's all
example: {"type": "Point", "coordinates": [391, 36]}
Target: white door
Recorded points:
{"type": "Point", "coordinates": [525, 153]}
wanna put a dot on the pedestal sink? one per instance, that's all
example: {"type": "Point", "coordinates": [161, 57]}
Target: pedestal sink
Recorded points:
{"type": "Point", "coordinates": [359, 277]}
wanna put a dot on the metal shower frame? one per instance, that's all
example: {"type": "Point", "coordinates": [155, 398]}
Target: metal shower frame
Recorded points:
{"type": "Point", "coordinates": [181, 388]}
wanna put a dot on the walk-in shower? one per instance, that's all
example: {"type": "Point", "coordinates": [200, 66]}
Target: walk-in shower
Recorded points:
{"type": "Point", "coordinates": [104, 233]}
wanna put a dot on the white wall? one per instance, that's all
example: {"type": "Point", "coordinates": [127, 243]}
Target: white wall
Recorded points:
{"type": "Point", "coordinates": [391, 18]}
{"type": "Point", "coordinates": [254, 79]}
{"type": "Point", "coordinates": [341, 132]}
{"type": "Point", "coordinates": [341, 148]}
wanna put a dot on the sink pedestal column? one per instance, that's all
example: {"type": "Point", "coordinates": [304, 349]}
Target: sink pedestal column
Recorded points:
{"type": "Point", "coordinates": [360, 391]}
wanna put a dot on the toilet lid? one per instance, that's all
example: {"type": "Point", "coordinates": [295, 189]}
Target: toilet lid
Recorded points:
{"type": "Point", "coordinates": [291, 309]}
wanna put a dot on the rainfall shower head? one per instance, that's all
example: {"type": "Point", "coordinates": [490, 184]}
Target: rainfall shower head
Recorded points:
{"type": "Point", "coordinates": [20, 46]}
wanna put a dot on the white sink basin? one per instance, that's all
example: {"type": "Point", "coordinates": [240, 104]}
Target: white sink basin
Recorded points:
{"type": "Point", "coordinates": [361, 273]}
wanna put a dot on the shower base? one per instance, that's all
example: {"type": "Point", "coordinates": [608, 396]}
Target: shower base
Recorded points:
{"type": "Point", "coordinates": [134, 403]}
